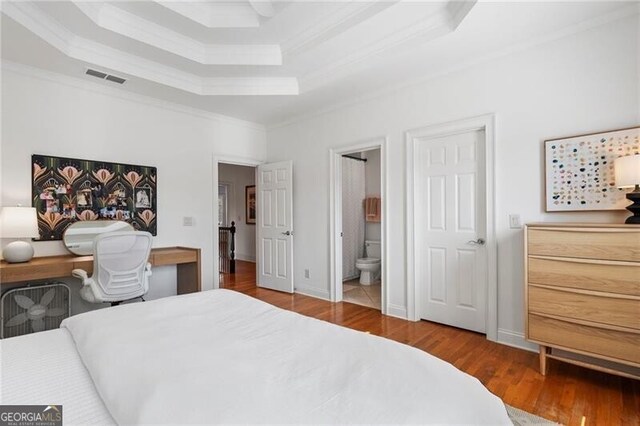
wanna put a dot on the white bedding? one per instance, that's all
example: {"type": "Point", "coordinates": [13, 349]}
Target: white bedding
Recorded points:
{"type": "Point", "coordinates": [45, 368]}
{"type": "Point", "coordinates": [223, 357]}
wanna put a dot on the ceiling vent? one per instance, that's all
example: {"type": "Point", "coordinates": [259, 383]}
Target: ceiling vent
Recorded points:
{"type": "Point", "coordinates": [95, 73]}
{"type": "Point", "coordinates": [115, 79]}
{"type": "Point", "coordinates": [105, 76]}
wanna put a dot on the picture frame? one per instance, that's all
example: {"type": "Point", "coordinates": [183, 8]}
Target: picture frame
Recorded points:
{"type": "Point", "coordinates": [250, 204]}
{"type": "Point", "coordinates": [579, 173]}
{"type": "Point", "coordinates": [143, 197]}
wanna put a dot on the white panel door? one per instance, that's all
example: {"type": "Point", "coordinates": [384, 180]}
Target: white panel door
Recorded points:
{"type": "Point", "coordinates": [450, 222]}
{"type": "Point", "coordinates": [275, 226]}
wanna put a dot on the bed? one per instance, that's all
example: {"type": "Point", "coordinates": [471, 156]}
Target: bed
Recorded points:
{"type": "Point", "coordinates": [222, 357]}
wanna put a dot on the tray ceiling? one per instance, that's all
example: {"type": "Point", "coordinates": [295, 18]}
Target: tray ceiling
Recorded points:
{"type": "Point", "coordinates": [231, 48]}
{"type": "Point", "coordinates": [262, 60]}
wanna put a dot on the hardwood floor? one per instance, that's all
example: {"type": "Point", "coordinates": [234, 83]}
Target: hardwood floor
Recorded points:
{"type": "Point", "coordinates": [565, 395]}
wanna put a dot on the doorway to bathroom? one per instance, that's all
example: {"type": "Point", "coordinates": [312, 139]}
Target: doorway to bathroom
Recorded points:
{"type": "Point", "coordinates": [357, 222]}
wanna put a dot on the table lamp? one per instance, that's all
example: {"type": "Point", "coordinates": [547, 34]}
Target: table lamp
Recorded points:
{"type": "Point", "coordinates": [627, 172]}
{"type": "Point", "coordinates": [18, 222]}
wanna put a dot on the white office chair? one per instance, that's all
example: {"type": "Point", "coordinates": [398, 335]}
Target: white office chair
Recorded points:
{"type": "Point", "coordinates": [121, 268]}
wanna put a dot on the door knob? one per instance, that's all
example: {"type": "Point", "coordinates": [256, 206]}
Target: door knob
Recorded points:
{"type": "Point", "coordinates": [287, 233]}
{"type": "Point", "coordinates": [478, 242]}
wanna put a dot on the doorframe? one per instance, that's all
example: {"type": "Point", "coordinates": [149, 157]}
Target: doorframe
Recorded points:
{"type": "Point", "coordinates": [487, 124]}
{"type": "Point", "coordinates": [236, 161]}
{"type": "Point", "coordinates": [335, 215]}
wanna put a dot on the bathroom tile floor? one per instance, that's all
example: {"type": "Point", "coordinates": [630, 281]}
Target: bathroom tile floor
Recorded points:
{"type": "Point", "coordinates": [365, 295]}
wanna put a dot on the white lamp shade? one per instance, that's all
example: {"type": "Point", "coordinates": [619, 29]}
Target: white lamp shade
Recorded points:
{"type": "Point", "coordinates": [627, 171]}
{"type": "Point", "coordinates": [19, 222]}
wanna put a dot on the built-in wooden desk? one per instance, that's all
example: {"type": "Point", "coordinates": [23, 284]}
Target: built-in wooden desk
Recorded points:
{"type": "Point", "coordinates": [186, 259]}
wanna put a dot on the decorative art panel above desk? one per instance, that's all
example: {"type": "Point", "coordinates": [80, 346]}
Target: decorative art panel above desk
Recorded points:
{"type": "Point", "coordinates": [67, 190]}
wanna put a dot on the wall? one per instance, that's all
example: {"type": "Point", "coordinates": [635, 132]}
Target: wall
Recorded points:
{"type": "Point", "coordinates": [239, 177]}
{"type": "Point", "coordinates": [581, 83]}
{"type": "Point", "coordinates": [46, 113]}
{"type": "Point", "coordinates": [372, 230]}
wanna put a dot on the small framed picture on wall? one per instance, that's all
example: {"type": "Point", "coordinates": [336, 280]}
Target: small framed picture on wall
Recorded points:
{"type": "Point", "coordinates": [250, 204]}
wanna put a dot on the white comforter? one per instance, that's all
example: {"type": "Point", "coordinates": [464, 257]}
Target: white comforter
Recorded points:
{"type": "Point", "coordinates": [223, 357]}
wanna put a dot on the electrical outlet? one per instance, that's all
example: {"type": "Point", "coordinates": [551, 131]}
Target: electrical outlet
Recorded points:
{"type": "Point", "coordinates": [306, 273]}
{"type": "Point", "coordinates": [514, 221]}
{"type": "Point", "coordinates": [187, 221]}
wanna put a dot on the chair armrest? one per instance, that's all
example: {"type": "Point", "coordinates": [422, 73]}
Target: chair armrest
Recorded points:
{"type": "Point", "coordinates": [80, 273]}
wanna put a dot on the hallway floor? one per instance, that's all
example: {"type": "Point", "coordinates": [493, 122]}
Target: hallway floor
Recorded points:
{"type": "Point", "coordinates": [364, 295]}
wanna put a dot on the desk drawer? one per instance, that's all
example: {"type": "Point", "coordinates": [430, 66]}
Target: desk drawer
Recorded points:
{"type": "Point", "coordinates": [173, 257]}
{"type": "Point", "coordinates": [620, 312]}
{"type": "Point", "coordinates": [605, 276]}
{"type": "Point", "coordinates": [592, 243]}
{"type": "Point", "coordinates": [33, 271]}
{"type": "Point", "coordinates": [618, 345]}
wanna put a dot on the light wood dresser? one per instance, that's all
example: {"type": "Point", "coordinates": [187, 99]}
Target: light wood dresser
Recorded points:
{"type": "Point", "coordinates": [582, 298]}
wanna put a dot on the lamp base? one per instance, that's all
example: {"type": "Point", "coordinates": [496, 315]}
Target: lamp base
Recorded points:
{"type": "Point", "coordinates": [634, 208]}
{"type": "Point", "coordinates": [18, 252]}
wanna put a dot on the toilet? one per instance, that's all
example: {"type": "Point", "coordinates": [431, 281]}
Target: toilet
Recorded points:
{"type": "Point", "coordinates": [369, 266]}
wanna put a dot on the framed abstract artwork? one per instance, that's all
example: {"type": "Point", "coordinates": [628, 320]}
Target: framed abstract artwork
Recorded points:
{"type": "Point", "coordinates": [250, 204]}
{"type": "Point", "coordinates": [67, 190]}
{"type": "Point", "coordinates": [579, 173]}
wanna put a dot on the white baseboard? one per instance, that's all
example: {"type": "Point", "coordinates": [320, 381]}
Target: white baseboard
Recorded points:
{"type": "Point", "coordinates": [313, 292]}
{"type": "Point", "coordinates": [246, 258]}
{"type": "Point", "coordinates": [397, 311]}
{"type": "Point", "coordinates": [515, 339]}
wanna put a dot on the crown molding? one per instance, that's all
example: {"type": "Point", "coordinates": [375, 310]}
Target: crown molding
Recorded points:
{"type": "Point", "coordinates": [585, 26]}
{"type": "Point", "coordinates": [35, 20]}
{"type": "Point", "coordinates": [263, 8]}
{"type": "Point", "coordinates": [119, 21]}
{"type": "Point", "coordinates": [215, 14]}
{"type": "Point", "coordinates": [121, 93]}
{"type": "Point", "coordinates": [47, 29]}
{"type": "Point", "coordinates": [458, 10]}
{"type": "Point", "coordinates": [345, 18]}
{"type": "Point", "coordinates": [441, 23]}
{"type": "Point", "coordinates": [436, 26]}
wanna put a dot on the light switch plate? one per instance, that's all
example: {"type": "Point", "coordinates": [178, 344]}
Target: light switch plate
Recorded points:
{"type": "Point", "coordinates": [514, 221]}
{"type": "Point", "coordinates": [187, 221]}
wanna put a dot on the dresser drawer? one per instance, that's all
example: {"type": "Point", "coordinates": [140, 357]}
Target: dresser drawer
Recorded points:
{"type": "Point", "coordinates": [618, 345]}
{"type": "Point", "coordinates": [587, 243]}
{"type": "Point", "coordinates": [622, 312]}
{"type": "Point", "coordinates": [606, 276]}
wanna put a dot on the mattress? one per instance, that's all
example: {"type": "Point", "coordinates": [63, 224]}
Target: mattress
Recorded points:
{"type": "Point", "coordinates": [45, 369]}
{"type": "Point", "coordinates": [223, 357]}
{"type": "Point", "coordinates": [220, 357]}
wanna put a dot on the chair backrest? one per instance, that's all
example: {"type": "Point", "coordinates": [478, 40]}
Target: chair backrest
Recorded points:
{"type": "Point", "coordinates": [119, 263]}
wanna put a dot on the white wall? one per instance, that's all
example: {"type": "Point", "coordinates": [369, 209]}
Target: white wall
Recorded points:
{"type": "Point", "coordinates": [372, 230]}
{"type": "Point", "coordinates": [46, 113]}
{"type": "Point", "coordinates": [239, 177]}
{"type": "Point", "coordinates": [582, 83]}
